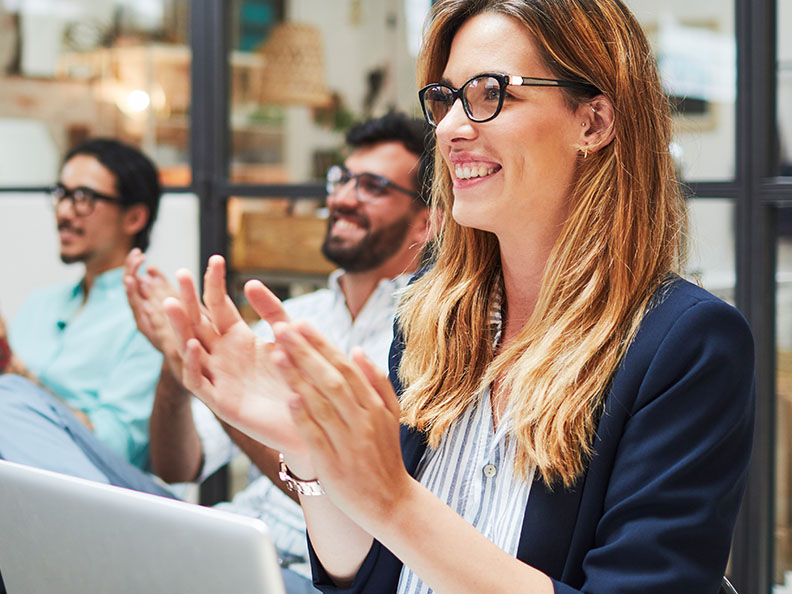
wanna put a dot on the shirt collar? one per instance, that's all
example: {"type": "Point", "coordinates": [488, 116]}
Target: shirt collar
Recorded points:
{"type": "Point", "coordinates": [106, 280]}
{"type": "Point", "coordinates": [387, 285]}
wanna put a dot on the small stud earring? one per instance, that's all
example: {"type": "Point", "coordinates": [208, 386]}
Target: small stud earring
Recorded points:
{"type": "Point", "coordinates": [583, 124]}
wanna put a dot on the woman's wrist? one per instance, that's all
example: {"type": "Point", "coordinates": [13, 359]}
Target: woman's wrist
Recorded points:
{"type": "Point", "coordinates": [309, 487]}
{"type": "Point", "coordinates": [299, 465]}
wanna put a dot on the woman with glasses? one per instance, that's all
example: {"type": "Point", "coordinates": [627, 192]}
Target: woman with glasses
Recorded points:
{"type": "Point", "coordinates": [572, 415]}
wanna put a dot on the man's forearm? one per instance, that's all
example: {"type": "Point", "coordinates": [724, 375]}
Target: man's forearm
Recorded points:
{"type": "Point", "coordinates": [265, 459]}
{"type": "Point", "coordinates": [175, 445]}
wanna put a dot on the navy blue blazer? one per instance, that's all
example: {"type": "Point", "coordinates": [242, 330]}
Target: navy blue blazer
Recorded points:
{"type": "Point", "coordinates": [655, 511]}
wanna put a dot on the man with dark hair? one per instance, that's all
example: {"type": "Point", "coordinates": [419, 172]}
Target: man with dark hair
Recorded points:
{"type": "Point", "coordinates": [136, 178]}
{"type": "Point", "coordinates": [378, 224]}
{"type": "Point", "coordinates": [77, 377]}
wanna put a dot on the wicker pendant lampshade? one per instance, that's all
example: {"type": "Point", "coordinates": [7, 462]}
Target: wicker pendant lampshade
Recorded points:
{"type": "Point", "coordinates": [293, 70]}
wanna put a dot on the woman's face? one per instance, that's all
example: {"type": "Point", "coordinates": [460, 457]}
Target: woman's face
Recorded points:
{"type": "Point", "coordinates": [524, 159]}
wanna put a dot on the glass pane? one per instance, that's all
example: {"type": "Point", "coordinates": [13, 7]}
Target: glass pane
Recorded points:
{"type": "Point", "coordinates": [711, 246]}
{"type": "Point", "coordinates": [304, 70]}
{"type": "Point", "coordinates": [784, 99]}
{"type": "Point", "coordinates": [277, 240]}
{"type": "Point", "coordinates": [694, 44]}
{"type": "Point", "coordinates": [782, 574]}
{"type": "Point", "coordinates": [29, 215]}
{"type": "Point", "coordinates": [80, 68]}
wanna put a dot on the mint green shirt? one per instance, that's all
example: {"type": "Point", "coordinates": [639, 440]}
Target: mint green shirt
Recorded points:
{"type": "Point", "coordinates": [93, 357]}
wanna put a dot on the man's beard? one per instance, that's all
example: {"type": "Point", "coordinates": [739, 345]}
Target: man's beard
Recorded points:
{"type": "Point", "coordinates": [371, 251]}
{"type": "Point", "coordinates": [71, 259]}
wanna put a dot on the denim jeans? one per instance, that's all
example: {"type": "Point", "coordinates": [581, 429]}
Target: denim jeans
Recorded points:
{"type": "Point", "coordinates": [38, 430]}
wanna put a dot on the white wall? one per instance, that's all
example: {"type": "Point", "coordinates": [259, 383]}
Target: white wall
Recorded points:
{"type": "Point", "coordinates": [29, 244]}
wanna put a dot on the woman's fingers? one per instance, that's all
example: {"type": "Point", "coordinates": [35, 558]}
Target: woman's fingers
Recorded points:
{"type": "Point", "coordinates": [379, 381]}
{"type": "Point", "coordinates": [265, 303]}
{"type": "Point", "coordinates": [318, 403]}
{"type": "Point", "coordinates": [325, 392]}
{"type": "Point", "coordinates": [179, 319]}
{"type": "Point", "coordinates": [200, 322]}
{"type": "Point", "coordinates": [194, 376]}
{"type": "Point", "coordinates": [305, 397]}
{"type": "Point", "coordinates": [360, 387]}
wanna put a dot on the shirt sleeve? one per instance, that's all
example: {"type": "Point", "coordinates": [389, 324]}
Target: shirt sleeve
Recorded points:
{"type": "Point", "coordinates": [123, 407]}
{"type": "Point", "coordinates": [217, 447]}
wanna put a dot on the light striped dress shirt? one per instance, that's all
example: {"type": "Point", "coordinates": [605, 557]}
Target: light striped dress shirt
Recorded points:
{"type": "Point", "coordinates": [473, 472]}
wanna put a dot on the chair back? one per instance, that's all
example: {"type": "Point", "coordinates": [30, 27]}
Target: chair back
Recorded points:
{"type": "Point", "coordinates": [726, 587]}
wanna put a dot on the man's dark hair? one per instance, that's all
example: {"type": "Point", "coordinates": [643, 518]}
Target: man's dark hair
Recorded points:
{"type": "Point", "coordinates": [136, 177]}
{"type": "Point", "coordinates": [415, 134]}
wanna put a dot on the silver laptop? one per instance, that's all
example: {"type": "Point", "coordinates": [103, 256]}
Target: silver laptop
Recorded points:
{"type": "Point", "coordinates": [72, 536]}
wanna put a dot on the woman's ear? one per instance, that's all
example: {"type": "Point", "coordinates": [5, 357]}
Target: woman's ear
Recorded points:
{"type": "Point", "coordinates": [597, 124]}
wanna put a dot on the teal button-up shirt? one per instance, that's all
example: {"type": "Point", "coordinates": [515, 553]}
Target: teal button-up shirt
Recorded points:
{"type": "Point", "coordinates": [92, 356]}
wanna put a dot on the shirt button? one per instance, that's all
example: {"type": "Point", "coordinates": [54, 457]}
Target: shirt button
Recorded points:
{"type": "Point", "coordinates": [490, 470]}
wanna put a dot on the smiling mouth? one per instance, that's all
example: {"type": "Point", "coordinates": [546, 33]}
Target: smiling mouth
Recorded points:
{"type": "Point", "coordinates": [346, 228]}
{"type": "Point", "coordinates": [468, 172]}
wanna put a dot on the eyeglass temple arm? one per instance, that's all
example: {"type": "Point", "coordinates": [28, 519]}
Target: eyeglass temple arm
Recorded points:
{"type": "Point", "coordinates": [514, 79]}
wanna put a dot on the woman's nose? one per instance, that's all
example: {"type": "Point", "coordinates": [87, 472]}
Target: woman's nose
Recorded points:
{"type": "Point", "coordinates": [455, 124]}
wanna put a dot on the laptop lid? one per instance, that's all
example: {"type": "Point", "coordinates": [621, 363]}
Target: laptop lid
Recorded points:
{"type": "Point", "coordinates": [72, 536]}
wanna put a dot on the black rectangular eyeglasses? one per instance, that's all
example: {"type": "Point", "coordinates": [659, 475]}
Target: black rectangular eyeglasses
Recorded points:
{"type": "Point", "coordinates": [482, 96]}
{"type": "Point", "coordinates": [368, 186]}
{"type": "Point", "coordinates": [83, 198]}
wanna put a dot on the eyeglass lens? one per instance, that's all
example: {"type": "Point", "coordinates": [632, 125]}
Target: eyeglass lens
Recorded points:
{"type": "Point", "coordinates": [367, 185]}
{"type": "Point", "coordinates": [481, 98]}
{"type": "Point", "coordinates": [82, 199]}
{"type": "Point", "coordinates": [370, 186]}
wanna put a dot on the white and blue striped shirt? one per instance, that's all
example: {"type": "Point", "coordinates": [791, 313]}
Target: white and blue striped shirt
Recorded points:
{"type": "Point", "coordinates": [473, 472]}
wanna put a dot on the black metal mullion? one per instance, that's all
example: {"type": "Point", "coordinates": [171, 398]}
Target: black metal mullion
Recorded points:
{"type": "Point", "coordinates": [209, 150]}
{"type": "Point", "coordinates": [712, 190]}
{"type": "Point", "coordinates": [209, 120]}
{"type": "Point", "coordinates": [275, 190]}
{"type": "Point", "coordinates": [219, 119]}
{"type": "Point", "coordinates": [752, 557]}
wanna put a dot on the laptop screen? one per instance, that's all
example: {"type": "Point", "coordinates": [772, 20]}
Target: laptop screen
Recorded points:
{"type": "Point", "coordinates": [72, 536]}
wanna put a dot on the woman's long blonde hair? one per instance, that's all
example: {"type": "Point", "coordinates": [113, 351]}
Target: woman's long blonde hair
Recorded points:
{"type": "Point", "coordinates": [621, 240]}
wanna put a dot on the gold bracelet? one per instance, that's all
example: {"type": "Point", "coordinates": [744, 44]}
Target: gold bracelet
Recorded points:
{"type": "Point", "coordinates": [308, 488]}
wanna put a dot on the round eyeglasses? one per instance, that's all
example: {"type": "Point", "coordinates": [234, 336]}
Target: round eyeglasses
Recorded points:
{"type": "Point", "coordinates": [482, 96]}
{"type": "Point", "coordinates": [83, 199]}
{"type": "Point", "coordinates": [368, 186]}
